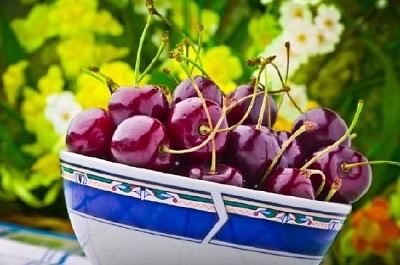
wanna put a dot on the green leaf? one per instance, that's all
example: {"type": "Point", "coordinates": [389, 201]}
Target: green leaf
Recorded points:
{"type": "Point", "coordinates": [12, 51]}
{"type": "Point", "coordinates": [390, 129]}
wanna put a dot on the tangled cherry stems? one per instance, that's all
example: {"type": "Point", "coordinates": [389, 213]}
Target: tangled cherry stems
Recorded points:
{"type": "Point", "coordinates": [340, 140]}
{"type": "Point", "coordinates": [307, 126]}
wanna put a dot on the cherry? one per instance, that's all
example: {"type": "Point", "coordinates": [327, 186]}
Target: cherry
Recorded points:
{"type": "Point", "coordinates": [355, 181]}
{"type": "Point", "coordinates": [138, 140]}
{"type": "Point", "coordinates": [90, 132]}
{"type": "Point", "coordinates": [187, 125]}
{"type": "Point", "coordinates": [290, 181]}
{"type": "Point", "coordinates": [251, 151]}
{"type": "Point", "coordinates": [224, 174]}
{"type": "Point", "coordinates": [237, 112]}
{"type": "Point", "coordinates": [330, 128]}
{"type": "Point", "coordinates": [148, 100]}
{"type": "Point", "coordinates": [207, 87]}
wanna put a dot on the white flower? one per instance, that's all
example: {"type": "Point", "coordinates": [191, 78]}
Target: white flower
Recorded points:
{"type": "Point", "coordinates": [60, 109]}
{"type": "Point", "coordinates": [278, 49]}
{"type": "Point", "coordinates": [303, 38]}
{"type": "Point", "coordinates": [299, 96]}
{"type": "Point", "coordinates": [325, 45]}
{"type": "Point", "coordinates": [291, 12]}
{"type": "Point", "coordinates": [328, 22]}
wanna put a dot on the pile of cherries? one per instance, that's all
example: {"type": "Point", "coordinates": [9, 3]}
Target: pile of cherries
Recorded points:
{"type": "Point", "coordinates": [202, 134]}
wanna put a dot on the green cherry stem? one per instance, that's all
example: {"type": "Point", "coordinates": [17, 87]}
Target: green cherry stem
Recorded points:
{"type": "Point", "coordinates": [307, 126]}
{"type": "Point", "coordinates": [348, 166]}
{"type": "Point", "coordinates": [200, 28]}
{"type": "Point", "coordinates": [99, 76]}
{"type": "Point", "coordinates": [195, 64]}
{"type": "Point", "coordinates": [139, 51]}
{"type": "Point", "coordinates": [341, 139]}
{"type": "Point", "coordinates": [164, 43]}
{"type": "Point", "coordinates": [323, 179]}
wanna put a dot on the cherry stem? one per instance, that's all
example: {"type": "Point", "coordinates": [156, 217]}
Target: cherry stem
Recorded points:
{"type": "Point", "coordinates": [264, 63]}
{"type": "Point", "coordinates": [348, 166]}
{"type": "Point", "coordinates": [195, 64]}
{"type": "Point", "coordinates": [99, 76]}
{"type": "Point", "coordinates": [139, 51]}
{"type": "Point", "coordinates": [287, 46]}
{"type": "Point", "coordinates": [164, 42]}
{"type": "Point", "coordinates": [323, 179]}
{"type": "Point", "coordinates": [307, 126]}
{"type": "Point", "coordinates": [199, 45]}
{"type": "Point", "coordinates": [170, 75]}
{"type": "Point", "coordinates": [337, 184]}
{"type": "Point", "coordinates": [265, 104]}
{"type": "Point", "coordinates": [153, 10]}
{"type": "Point", "coordinates": [341, 139]}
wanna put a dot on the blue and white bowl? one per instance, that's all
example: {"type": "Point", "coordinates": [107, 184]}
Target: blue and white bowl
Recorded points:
{"type": "Point", "coordinates": [128, 215]}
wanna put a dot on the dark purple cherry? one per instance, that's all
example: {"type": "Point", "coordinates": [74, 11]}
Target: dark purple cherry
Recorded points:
{"type": "Point", "coordinates": [225, 174]}
{"type": "Point", "coordinates": [90, 132]}
{"type": "Point", "coordinates": [236, 114]}
{"type": "Point", "coordinates": [137, 142]}
{"type": "Point", "coordinates": [251, 151]}
{"type": "Point", "coordinates": [208, 89]}
{"type": "Point", "coordinates": [293, 154]}
{"type": "Point", "coordinates": [290, 181]}
{"type": "Point", "coordinates": [354, 182]}
{"type": "Point", "coordinates": [330, 127]}
{"type": "Point", "coordinates": [187, 126]}
{"type": "Point", "coordinates": [148, 100]}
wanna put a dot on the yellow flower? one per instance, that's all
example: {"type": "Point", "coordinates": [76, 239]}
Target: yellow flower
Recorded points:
{"type": "Point", "coordinates": [104, 53]}
{"type": "Point", "coordinates": [75, 53]}
{"type": "Point", "coordinates": [33, 31]}
{"type": "Point", "coordinates": [47, 166]}
{"type": "Point", "coordinates": [74, 16]}
{"type": "Point", "coordinates": [106, 24]}
{"type": "Point", "coordinates": [218, 62]}
{"type": "Point", "coordinates": [13, 80]}
{"type": "Point", "coordinates": [82, 51]}
{"type": "Point", "coordinates": [52, 81]}
{"type": "Point", "coordinates": [92, 93]}
{"type": "Point", "coordinates": [222, 67]}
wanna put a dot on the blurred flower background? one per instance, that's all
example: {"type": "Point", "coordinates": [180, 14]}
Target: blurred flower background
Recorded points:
{"type": "Point", "coordinates": [340, 51]}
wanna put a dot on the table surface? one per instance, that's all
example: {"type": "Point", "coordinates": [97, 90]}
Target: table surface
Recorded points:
{"type": "Point", "coordinates": [21, 245]}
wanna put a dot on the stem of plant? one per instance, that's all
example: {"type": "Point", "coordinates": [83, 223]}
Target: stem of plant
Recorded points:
{"type": "Point", "coordinates": [348, 166]}
{"type": "Point", "coordinates": [99, 76]}
{"type": "Point", "coordinates": [264, 63]}
{"type": "Point", "coordinates": [170, 75]}
{"type": "Point", "coordinates": [164, 42]}
{"type": "Point", "coordinates": [307, 126]}
{"type": "Point", "coordinates": [200, 28]}
{"type": "Point", "coordinates": [337, 184]}
{"type": "Point", "coordinates": [323, 179]}
{"type": "Point", "coordinates": [139, 51]}
{"type": "Point", "coordinates": [341, 139]}
{"type": "Point", "coordinates": [195, 64]}
{"type": "Point", "coordinates": [265, 104]}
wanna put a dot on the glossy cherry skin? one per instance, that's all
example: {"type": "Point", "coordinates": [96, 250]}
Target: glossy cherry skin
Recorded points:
{"type": "Point", "coordinates": [293, 154]}
{"type": "Point", "coordinates": [184, 122]}
{"type": "Point", "coordinates": [251, 151]}
{"type": "Point", "coordinates": [225, 174]}
{"type": "Point", "coordinates": [290, 181]}
{"type": "Point", "coordinates": [90, 132]}
{"type": "Point", "coordinates": [148, 100]}
{"type": "Point", "coordinates": [330, 127]}
{"type": "Point", "coordinates": [236, 114]}
{"type": "Point", "coordinates": [137, 142]}
{"type": "Point", "coordinates": [208, 89]}
{"type": "Point", "coordinates": [354, 182]}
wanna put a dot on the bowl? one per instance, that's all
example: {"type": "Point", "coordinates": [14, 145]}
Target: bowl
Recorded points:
{"type": "Point", "coordinates": [128, 215]}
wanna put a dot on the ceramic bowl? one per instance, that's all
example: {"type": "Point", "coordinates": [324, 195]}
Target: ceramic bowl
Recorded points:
{"type": "Point", "coordinates": [128, 215]}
